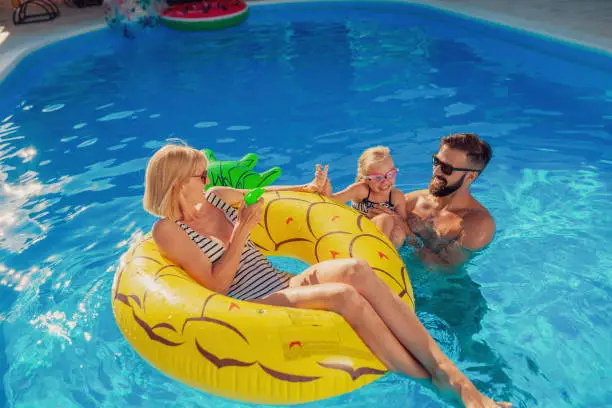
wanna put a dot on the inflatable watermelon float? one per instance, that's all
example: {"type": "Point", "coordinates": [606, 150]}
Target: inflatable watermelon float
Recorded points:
{"type": "Point", "coordinates": [205, 15]}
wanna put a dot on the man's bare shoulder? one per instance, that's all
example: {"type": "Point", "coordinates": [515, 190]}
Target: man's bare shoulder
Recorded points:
{"type": "Point", "coordinates": [479, 227]}
{"type": "Point", "coordinates": [478, 211]}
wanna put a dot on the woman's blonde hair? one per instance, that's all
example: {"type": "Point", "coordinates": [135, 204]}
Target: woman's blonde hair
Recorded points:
{"type": "Point", "coordinates": [166, 171]}
{"type": "Point", "coordinates": [370, 156]}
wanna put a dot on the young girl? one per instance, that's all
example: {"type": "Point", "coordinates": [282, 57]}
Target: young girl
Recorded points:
{"type": "Point", "coordinates": [374, 195]}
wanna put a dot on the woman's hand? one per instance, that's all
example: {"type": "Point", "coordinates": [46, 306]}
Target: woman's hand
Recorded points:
{"type": "Point", "coordinates": [249, 216]}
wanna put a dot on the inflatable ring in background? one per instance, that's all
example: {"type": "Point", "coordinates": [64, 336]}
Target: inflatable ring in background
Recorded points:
{"type": "Point", "coordinates": [205, 15]}
{"type": "Point", "coordinates": [251, 352]}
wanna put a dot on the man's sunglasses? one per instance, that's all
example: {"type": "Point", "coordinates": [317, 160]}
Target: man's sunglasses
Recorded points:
{"type": "Point", "coordinates": [447, 168]}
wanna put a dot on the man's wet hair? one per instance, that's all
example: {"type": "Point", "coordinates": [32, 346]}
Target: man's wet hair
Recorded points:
{"type": "Point", "coordinates": [478, 151]}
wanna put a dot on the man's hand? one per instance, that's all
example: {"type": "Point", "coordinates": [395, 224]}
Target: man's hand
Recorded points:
{"type": "Point", "coordinates": [448, 225]}
{"type": "Point", "coordinates": [380, 209]}
{"type": "Point", "coordinates": [445, 249]}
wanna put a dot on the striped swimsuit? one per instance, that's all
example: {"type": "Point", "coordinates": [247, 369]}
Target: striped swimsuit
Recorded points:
{"type": "Point", "coordinates": [255, 277]}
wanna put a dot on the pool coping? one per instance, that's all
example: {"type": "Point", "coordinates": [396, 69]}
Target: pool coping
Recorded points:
{"type": "Point", "coordinates": [30, 43]}
{"type": "Point", "coordinates": [594, 43]}
{"type": "Point", "coordinates": [10, 59]}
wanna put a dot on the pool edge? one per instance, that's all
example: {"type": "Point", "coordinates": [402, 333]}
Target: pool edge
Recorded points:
{"type": "Point", "coordinates": [548, 32]}
{"type": "Point", "coordinates": [11, 58]}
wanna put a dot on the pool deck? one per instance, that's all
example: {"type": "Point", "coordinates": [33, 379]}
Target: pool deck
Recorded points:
{"type": "Point", "coordinates": [586, 22]}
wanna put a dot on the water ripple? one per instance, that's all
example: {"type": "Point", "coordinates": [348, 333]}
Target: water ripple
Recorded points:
{"type": "Point", "coordinates": [526, 318]}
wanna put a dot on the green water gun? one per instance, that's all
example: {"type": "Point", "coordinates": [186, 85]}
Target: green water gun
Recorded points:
{"type": "Point", "coordinates": [238, 174]}
{"type": "Point", "coordinates": [252, 196]}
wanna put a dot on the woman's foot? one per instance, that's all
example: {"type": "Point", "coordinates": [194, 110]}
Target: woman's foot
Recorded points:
{"type": "Point", "coordinates": [450, 377]}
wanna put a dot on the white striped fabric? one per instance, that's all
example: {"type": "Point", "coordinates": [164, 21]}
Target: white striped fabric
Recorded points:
{"type": "Point", "coordinates": [255, 277]}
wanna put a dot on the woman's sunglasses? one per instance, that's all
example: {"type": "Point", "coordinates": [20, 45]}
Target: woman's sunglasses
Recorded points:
{"type": "Point", "coordinates": [203, 177]}
{"type": "Point", "coordinates": [447, 168]}
{"type": "Point", "coordinates": [390, 175]}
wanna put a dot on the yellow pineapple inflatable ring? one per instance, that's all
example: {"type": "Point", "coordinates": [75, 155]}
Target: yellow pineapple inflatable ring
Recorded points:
{"type": "Point", "coordinates": [250, 352]}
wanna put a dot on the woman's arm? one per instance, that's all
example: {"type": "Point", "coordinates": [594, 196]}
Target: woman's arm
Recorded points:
{"type": "Point", "coordinates": [175, 244]}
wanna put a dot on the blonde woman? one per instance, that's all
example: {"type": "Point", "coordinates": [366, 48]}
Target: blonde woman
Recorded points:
{"type": "Point", "coordinates": [374, 193]}
{"type": "Point", "coordinates": [209, 239]}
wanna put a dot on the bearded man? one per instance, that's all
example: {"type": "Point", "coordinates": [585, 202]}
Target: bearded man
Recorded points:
{"type": "Point", "coordinates": [445, 221]}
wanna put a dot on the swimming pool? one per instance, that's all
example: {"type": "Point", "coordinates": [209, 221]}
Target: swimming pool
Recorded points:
{"type": "Point", "coordinates": [300, 84]}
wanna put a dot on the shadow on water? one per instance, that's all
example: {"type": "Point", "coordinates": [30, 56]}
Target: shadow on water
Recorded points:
{"type": "Point", "coordinates": [452, 308]}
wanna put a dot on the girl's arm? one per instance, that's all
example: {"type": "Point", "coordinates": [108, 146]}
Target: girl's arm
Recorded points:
{"type": "Point", "coordinates": [400, 204]}
{"type": "Point", "coordinates": [233, 196]}
{"type": "Point", "coordinates": [354, 192]}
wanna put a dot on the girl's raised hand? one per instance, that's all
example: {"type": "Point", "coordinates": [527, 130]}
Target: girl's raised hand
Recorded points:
{"type": "Point", "coordinates": [320, 183]}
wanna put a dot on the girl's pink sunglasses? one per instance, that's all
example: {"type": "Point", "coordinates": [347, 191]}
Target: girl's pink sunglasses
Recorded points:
{"type": "Point", "coordinates": [379, 178]}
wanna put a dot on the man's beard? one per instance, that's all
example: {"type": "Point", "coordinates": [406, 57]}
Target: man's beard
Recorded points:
{"type": "Point", "coordinates": [441, 189]}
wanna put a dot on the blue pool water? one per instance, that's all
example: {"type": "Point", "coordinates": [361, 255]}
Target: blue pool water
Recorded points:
{"type": "Point", "coordinates": [300, 84]}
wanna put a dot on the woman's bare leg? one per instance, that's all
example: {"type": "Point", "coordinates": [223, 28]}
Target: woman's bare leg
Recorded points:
{"type": "Point", "coordinates": [398, 318]}
{"type": "Point", "coordinates": [346, 301]}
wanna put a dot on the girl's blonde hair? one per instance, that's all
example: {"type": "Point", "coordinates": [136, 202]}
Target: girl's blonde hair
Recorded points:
{"type": "Point", "coordinates": [166, 171]}
{"type": "Point", "coordinates": [370, 156]}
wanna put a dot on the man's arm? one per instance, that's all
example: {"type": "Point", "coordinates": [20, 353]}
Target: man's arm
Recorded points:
{"type": "Point", "coordinates": [478, 229]}
{"type": "Point", "coordinates": [450, 255]}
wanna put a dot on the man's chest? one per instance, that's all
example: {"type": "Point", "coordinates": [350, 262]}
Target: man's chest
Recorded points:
{"type": "Point", "coordinates": [430, 215]}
